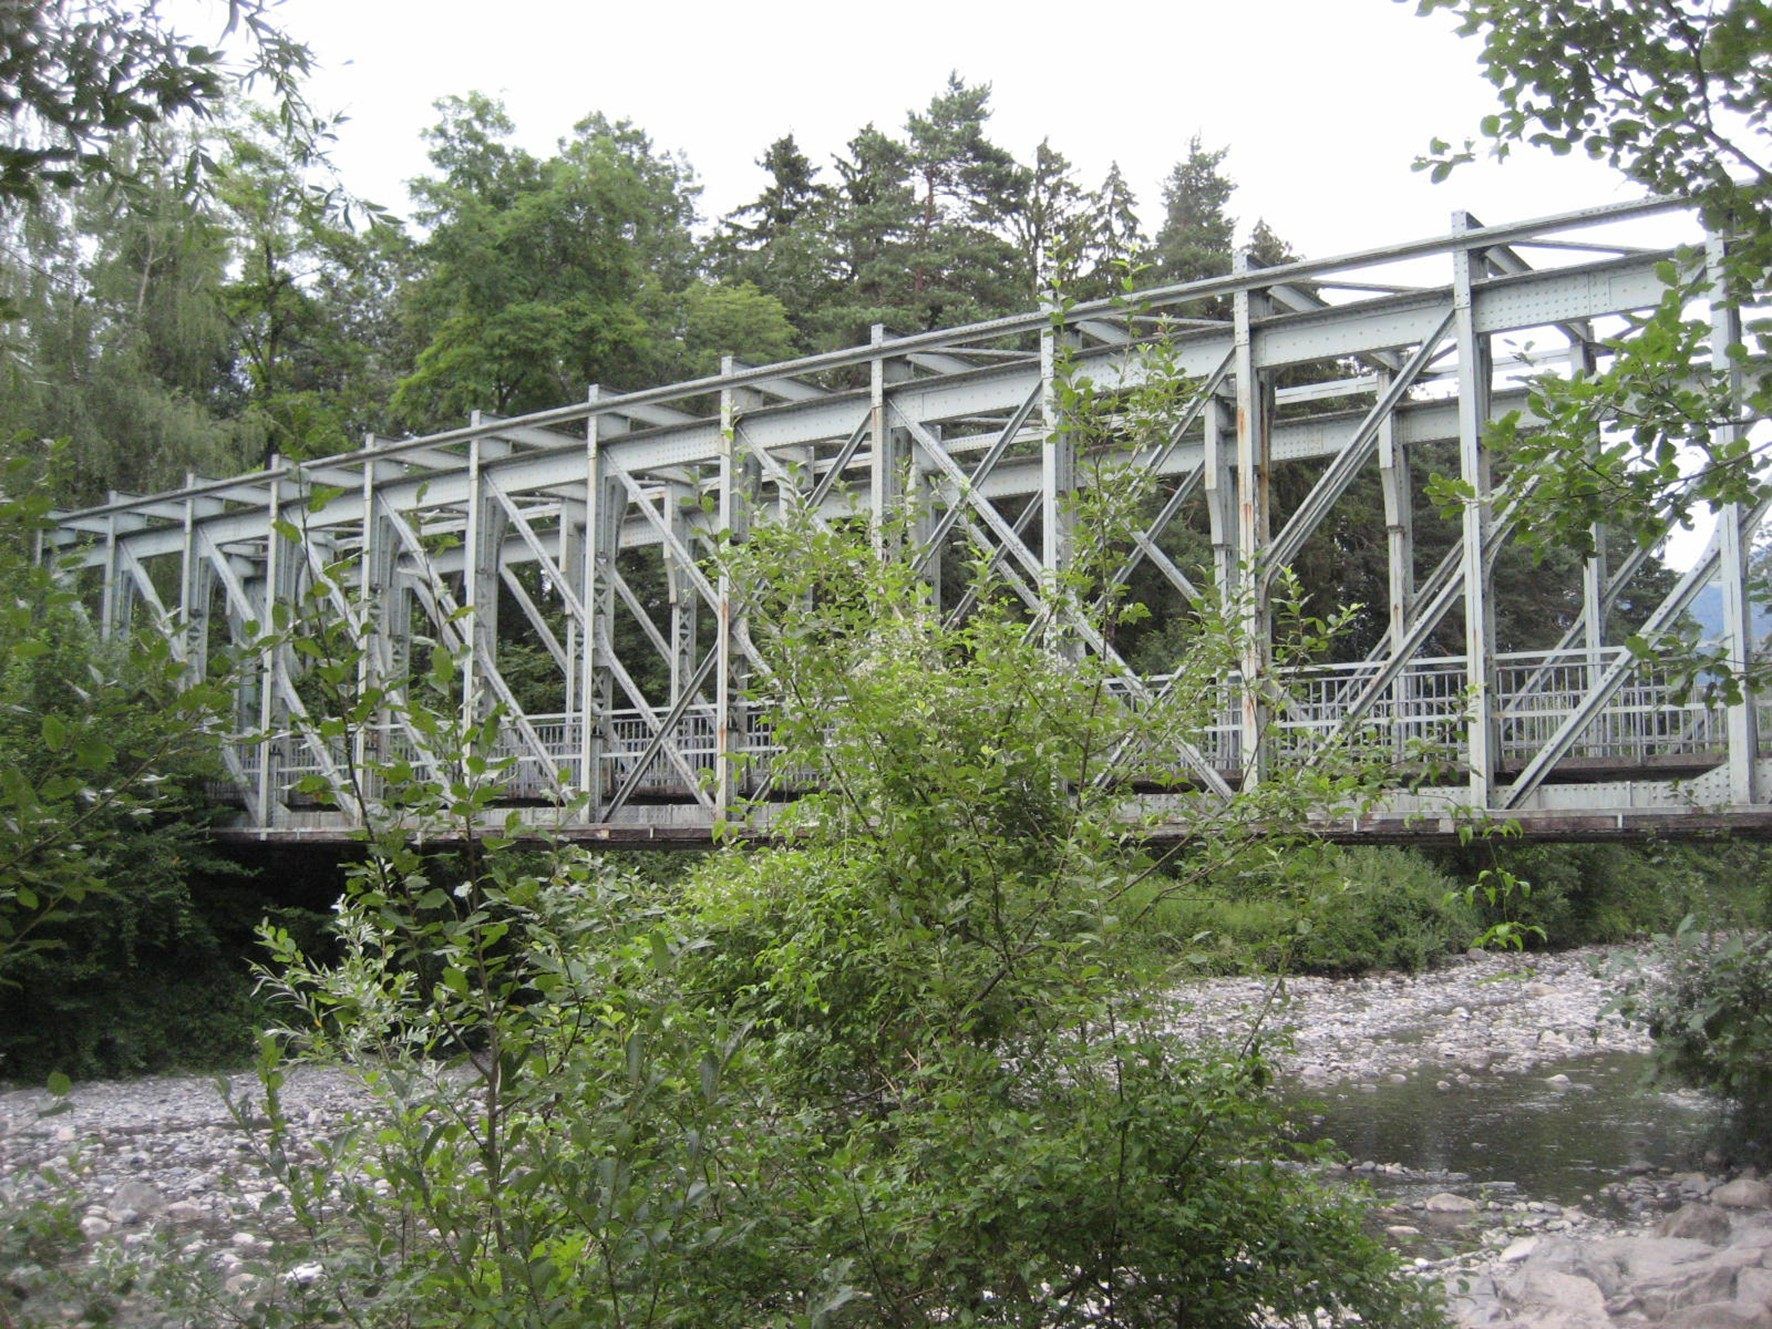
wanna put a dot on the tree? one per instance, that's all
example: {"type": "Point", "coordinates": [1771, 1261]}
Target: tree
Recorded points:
{"type": "Point", "coordinates": [542, 276]}
{"type": "Point", "coordinates": [871, 231]}
{"type": "Point", "coordinates": [118, 344]}
{"type": "Point", "coordinates": [1051, 225]}
{"type": "Point", "coordinates": [1195, 238]}
{"type": "Point", "coordinates": [781, 243]}
{"type": "Point", "coordinates": [907, 1066]}
{"type": "Point", "coordinates": [1675, 96]}
{"type": "Point", "coordinates": [288, 234]}
{"type": "Point", "coordinates": [962, 269]}
{"type": "Point", "coordinates": [92, 736]}
{"type": "Point", "coordinates": [1118, 251]}
{"type": "Point", "coordinates": [77, 76]}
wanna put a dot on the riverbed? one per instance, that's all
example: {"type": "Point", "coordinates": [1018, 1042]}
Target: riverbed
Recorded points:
{"type": "Point", "coordinates": [1495, 1101]}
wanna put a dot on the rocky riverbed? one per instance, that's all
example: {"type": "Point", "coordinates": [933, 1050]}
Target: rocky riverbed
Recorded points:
{"type": "Point", "coordinates": [163, 1164]}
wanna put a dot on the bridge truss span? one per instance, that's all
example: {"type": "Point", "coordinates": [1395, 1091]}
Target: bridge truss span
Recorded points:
{"type": "Point", "coordinates": [566, 553]}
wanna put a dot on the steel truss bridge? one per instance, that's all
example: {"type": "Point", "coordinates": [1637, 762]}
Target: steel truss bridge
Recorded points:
{"type": "Point", "coordinates": [585, 530]}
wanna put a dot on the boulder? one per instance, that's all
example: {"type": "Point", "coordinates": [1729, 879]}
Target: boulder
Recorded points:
{"type": "Point", "coordinates": [1696, 1222]}
{"type": "Point", "coordinates": [1744, 1193]}
{"type": "Point", "coordinates": [1518, 1249]}
{"type": "Point", "coordinates": [1754, 1285]}
{"type": "Point", "coordinates": [1448, 1203]}
{"type": "Point", "coordinates": [1721, 1315]}
{"type": "Point", "coordinates": [1696, 1284]}
{"type": "Point", "coordinates": [139, 1196]}
{"type": "Point", "coordinates": [1549, 1299]}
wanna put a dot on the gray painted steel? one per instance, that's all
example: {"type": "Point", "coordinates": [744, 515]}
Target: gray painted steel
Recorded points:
{"type": "Point", "coordinates": [552, 514]}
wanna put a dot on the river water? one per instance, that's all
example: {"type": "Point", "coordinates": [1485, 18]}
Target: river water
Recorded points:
{"type": "Point", "coordinates": [1554, 1140]}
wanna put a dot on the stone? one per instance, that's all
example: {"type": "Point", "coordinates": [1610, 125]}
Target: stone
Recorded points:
{"type": "Point", "coordinates": [1550, 1299]}
{"type": "Point", "coordinates": [1697, 1222]}
{"type": "Point", "coordinates": [1743, 1193]}
{"type": "Point", "coordinates": [92, 1227]}
{"type": "Point", "coordinates": [306, 1275]}
{"type": "Point", "coordinates": [1448, 1203]}
{"type": "Point", "coordinates": [1402, 1230]}
{"type": "Point", "coordinates": [1519, 1249]}
{"type": "Point", "coordinates": [1559, 1079]}
{"type": "Point", "coordinates": [140, 1197]}
{"type": "Point", "coordinates": [1721, 1315]}
{"type": "Point", "coordinates": [1754, 1285]}
{"type": "Point", "coordinates": [1698, 1284]}
{"type": "Point", "coordinates": [185, 1211]}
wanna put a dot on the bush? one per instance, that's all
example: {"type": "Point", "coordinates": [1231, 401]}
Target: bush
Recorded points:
{"type": "Point", "coordinates": [1326, 910]}
{"type": "Point", "coordinates": [1584, 894]}
{"type": "Point", "coordinates": [913, 1068]}
{"type": "Point", "coordinates": [1711, 1017]}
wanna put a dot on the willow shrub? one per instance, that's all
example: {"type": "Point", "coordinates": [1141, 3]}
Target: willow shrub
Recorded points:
{"type": "Point", "coordinates": [906, 1064]}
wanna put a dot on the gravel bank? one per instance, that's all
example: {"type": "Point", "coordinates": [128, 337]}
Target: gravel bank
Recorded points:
{"type": "Point", "coordinates": [161, 1160]}
{"type": "Point", "coordinates": [1480, 1013]}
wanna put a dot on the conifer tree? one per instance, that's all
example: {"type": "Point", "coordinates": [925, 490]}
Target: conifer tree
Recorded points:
{"type": "Point", "coordinates": [1195, 238]}
{"type": "Point", "coordinates": [967, 187]}
{"type": "Point", "coordinates": [781, 243]}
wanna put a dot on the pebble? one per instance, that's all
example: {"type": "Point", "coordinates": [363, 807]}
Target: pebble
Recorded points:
{"type": "Point", "coordinates": [1518, 1012]}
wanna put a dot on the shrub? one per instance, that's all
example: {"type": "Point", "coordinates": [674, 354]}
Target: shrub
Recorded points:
{"type": "Point", "coordinates": [1583, 894]}
{"type": "Point", "coordinates": [909, 1067]}
{"type": "Point", "coordinates": [1711, 1017]}
{"type": "Point", "coordinates": [1326, 910]}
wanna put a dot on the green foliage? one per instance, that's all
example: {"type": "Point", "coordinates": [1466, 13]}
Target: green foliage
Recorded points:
{"type": "Point", "coordinates": [1711, 1016]}
{"type": "Point", "coordinates": [92, 738]}
{"type": "Point", "coordinates": [1329, 910]}
{"type": "Point", "coordinates": [114, 909]}
{"type": "Point", "coordinates": [1674, 96]}
{"type": "Point", "coordinates": [1583, 894]}
{"type": "Point", "coordinates": [1195, 238]}
{"type": "Point", "coordinates": [910, 1066]}
{"type": "Point", "coordinates": [77, 75]}
{"type": "Point", "coordinates": [44, 1279]}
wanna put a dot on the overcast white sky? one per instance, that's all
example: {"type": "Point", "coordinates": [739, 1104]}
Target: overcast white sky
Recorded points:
{"type": "Point", "coordinates": [1323, 103]}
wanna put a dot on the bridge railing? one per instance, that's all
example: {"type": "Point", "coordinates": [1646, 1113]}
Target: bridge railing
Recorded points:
{"type": "Point", "coordinates": [1418, 716]}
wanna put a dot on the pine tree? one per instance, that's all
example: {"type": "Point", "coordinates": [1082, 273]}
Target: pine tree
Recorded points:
{"type": "Point", "coordinates": [1196, 236]}
{"type": "Point", "coordinates": [781, 242]}
{"type": "Point", "coordinates": [870, 234]}
{"type": "Point", "coordinates": [1051, 224]}
{"type": "Point", "coordinates": [963, 268]}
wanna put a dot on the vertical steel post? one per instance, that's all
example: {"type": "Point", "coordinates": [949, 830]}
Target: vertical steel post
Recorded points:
{"type": "Point", "coordinates": [1221, 501]}
{"type": "Point", "coordinates": [596, 684]}
{"type": "Point", "coordinates": [684, 599]}
{"type": "Point", "coordinates": [1475, 380]}
{"type": "Point", "coordinates": [1254, 457]}
{"type": "Point", "coordinates": [1058, 475]}
{"type": "Point", "coordinates": [371, 639]}
{"type": "Point", "coordinates": [737, 489]}
{"type": "Point", "coordinates": [1399, 527]}
{"type": "Point", "coordinates": [269, 661]}
{"type": "Point", "coordinates": [1594, 567]}
{"type": "Point", "coordinates": [568, 556]}
{"type": "Point", "coordinates": [110, 609]}
{"type": "Point", "coordinates": [1399, 523]}
{"type": "Point", "coordinates": [483, 552]}
{"type": "Point", "coordinates": [1736, 543]}
{"type": "Point", "coordinates": [193, 593]}
{"type": "Point", "coordinates": [886, 458]}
